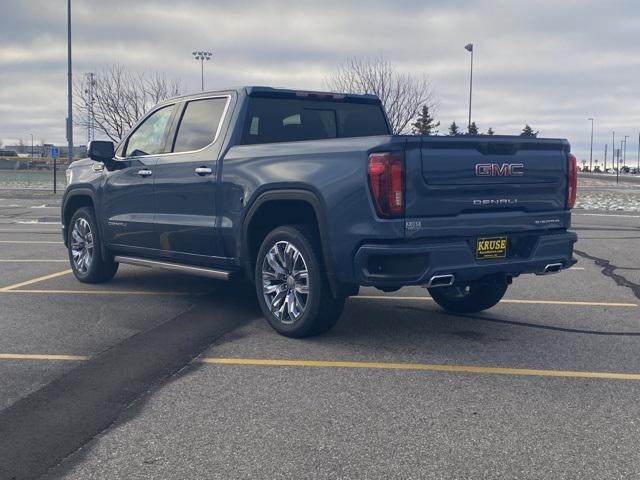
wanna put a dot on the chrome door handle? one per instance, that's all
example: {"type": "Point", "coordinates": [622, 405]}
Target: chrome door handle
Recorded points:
{"type": "Point", "coordinates": [144, 173]}
{"type": "Point", "coordinates": [203, 171]}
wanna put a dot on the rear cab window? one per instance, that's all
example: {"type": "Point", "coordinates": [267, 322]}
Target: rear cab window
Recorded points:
{"type": "Point", "coordinates": [272, 120]}
{"type": "Point", "coordinates": [200, 124]}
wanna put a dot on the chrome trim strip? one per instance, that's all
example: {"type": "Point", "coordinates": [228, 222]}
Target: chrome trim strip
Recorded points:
{"type": "Point", "coordinates": [215, 138]}
{"type": "Point", "coordinates": [178, 267]}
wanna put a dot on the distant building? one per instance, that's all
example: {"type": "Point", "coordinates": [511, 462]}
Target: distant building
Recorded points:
{"type": "Point", "coordinates": [79, 151]}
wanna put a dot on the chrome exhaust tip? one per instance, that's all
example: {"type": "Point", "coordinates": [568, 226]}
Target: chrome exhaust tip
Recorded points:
{"type": "Point", "coordinates": [441, 281]}
{"type": "Point", "coordinates": [552, 268]}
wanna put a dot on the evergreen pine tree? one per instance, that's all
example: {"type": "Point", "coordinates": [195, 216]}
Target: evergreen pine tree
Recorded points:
{"type": "Point", "coordinates": [425, 124]}
{"type": "Point", "coordinates": [490, 131]}
{"type": "Point", "coordinates": [527, 131]}
{"type": "Point", "coordinates": [472, 129]}
{"type": "Point", "coordinates": [453, 130]}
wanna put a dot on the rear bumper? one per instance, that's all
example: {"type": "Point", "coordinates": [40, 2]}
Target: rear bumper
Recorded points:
{"type": "Point", "coordinates": [395, 265]}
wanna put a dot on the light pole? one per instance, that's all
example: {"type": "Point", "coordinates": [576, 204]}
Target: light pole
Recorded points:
{"type": "Point", "coordinates": [469, 48]}
{"type": "Point", "coordinates": [591, 152]}
{"type": "Point", "coordinates": [638, 166]}
{"type": "Point", "coordinates": [202, 56]}
{"type": "Point", "coordinates": [69, 95]}
{"type": "Point", "coordinates": [31, 145]}
{"type": "Point", "coordinates": [624, 152]}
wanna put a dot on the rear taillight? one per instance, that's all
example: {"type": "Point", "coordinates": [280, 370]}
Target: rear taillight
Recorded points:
{"type": "Point", "coordinates": [572, 181]}
{"type": "Point", "coordinates": [386, 180]}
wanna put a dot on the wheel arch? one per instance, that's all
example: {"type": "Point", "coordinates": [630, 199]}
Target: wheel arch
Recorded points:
{"type": "Point", "coordinates": [292, 204]}
{"type": "Point", "coordinates": [74, 200]}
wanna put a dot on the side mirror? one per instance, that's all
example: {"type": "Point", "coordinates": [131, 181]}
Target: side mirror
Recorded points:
{"type": "Point", "coordinates": [101, 150]}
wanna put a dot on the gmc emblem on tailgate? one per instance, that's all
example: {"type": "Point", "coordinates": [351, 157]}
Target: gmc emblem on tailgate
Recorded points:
{"type": "Point", "coordinates": [499, 170]}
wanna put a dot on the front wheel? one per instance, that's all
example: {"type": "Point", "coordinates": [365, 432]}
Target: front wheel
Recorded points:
{"type": "Point", "coordinates": [472, 297]}
{"type": "Point", "coordinates": [291, 284]}
{"type": "Point", "coordinates": [85, 249]}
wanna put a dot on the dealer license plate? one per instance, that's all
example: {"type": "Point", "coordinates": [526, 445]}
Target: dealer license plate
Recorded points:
{"type": "Point", "coordinates": [491, 247]}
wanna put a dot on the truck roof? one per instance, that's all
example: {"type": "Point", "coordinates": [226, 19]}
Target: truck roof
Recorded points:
{"type": "Point", "coordinates": [262, 91]}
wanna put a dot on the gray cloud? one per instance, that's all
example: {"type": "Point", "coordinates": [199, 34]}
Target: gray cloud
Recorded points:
{"type": "Point", "coordinates": [548, 63]}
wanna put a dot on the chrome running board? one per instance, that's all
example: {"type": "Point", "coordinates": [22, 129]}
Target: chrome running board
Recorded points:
{"type": "Point", "coordinates": [175, 267]}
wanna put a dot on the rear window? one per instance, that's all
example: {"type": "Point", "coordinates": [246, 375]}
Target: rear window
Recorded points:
{"type": "Point", "coordinates": [271, 120]}
{"type": "Point", "coordinates": [199, 124]}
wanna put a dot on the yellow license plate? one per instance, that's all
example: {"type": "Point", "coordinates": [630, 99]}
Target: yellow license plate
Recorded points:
{"type": "Point", "coordinates": [491, 247]}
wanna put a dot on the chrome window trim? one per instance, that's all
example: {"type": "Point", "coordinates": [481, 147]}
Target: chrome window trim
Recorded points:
{"type": "Point", "coordinates": [186, 102]}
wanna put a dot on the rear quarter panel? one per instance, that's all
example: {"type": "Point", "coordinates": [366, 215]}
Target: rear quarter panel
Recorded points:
{"type": "Point", "coordinates": [334, 170]}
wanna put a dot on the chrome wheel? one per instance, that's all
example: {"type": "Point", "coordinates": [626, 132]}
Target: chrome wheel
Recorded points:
{"type": "Point", "coordinates": [81, 245]}
{"type": "Point", "coordinates": [285, 282]}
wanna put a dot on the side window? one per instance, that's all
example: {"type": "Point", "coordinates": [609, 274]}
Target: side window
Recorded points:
{"type": "Point", "coordinates": [199, 124]}
{"type": "Point", "coordinates": [149, 137]}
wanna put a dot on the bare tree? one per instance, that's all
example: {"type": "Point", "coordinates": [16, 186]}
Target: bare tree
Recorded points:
{"type": "Point", "coordinates": [120, 98]}
{"type": "Point", "coordinates": [403, 95]}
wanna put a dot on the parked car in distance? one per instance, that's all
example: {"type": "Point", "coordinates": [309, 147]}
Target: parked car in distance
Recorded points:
{"type": "Point", "coordinates": [310, 196]}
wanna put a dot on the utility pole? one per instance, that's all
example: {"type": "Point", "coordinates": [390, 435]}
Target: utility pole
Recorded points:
{"type": "Point", "coordinates": [605, 157]}
{"type": "Point", "coordinates": [591, 151]}
{"type": "Point", "coordinates": [613, 149]}
{"type": "Point", "coordinates": [469, 48]}
{"type": "Point", "coordinates": [202, 56]}
{"type": "Point", "coordinates": [638, 166]}
{"type": "Point", "coordinates": [91, 83]}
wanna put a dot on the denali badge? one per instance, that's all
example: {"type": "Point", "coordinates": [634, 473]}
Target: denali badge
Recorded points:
{"type": "Point", "coordinates": [496, 201]}
{"type": "Point", "coordinates": [496, 170]}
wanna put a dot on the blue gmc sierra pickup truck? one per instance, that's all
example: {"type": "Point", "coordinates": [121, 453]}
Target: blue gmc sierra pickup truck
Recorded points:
{"type": "Point", "coordinates": [309, 195]}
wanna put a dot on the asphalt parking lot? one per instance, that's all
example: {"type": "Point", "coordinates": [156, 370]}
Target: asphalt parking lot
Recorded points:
{"type": "Point", "coordinates": [158, 375]}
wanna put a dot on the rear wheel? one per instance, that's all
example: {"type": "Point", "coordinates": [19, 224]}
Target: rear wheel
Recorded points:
{"type": "Point", "coordinates": [468, 298]}
{"type": "Point", "coordinates": [291, 283]}
{"type": "Point", "coordinates": [85, 249]}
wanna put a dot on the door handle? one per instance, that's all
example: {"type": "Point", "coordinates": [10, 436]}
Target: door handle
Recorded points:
{"type": "Point", "coordinates": [203, 171]}
{"type": "Point", "coordinates": [144, 173]}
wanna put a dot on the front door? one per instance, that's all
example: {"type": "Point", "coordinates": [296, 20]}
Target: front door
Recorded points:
{"type": "Point", "coordinates": [186, 185]}
{"type": "Point", "coordinates": [128, 201]}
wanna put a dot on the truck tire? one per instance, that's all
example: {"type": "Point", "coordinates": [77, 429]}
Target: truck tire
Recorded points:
{"type": "Point", "coordinates": [85, 249]}
{"type": "Point", "coordinates": [470, 298]}
{"type": "Point", "coordinates": [291, 283]}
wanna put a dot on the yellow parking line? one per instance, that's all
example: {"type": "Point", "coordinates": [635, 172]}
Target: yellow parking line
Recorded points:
{"type": "Point", "coordinates": [29, 356]}
{"type": "Point", "coordinates": [423, 367]}
{"type": "Point", "coordinates": [35, 280]}
{"type": "Point", "coordinates": [13, 260]}
{"type": "Point", "coordinates": [534, 302]}
{"type": "Point", "coordinates": [31, 241]}
{"type": "Point", "coordinates": [102, 292]}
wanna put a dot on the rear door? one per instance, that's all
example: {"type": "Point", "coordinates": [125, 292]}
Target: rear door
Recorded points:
{"type": "Point", "coordinates": [186, 183]}
{"type": "Point", "coordinates": [455, 176]}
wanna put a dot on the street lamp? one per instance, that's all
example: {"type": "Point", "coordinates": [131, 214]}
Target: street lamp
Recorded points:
{"type": "Point", "coordinates": [69, 95]}
{"type": "Point", "coordinates": [469, 47]}
{"type": "Point", "coordinates": [591, 152]}
{"type": "Point", "coordinates": [202, 56]}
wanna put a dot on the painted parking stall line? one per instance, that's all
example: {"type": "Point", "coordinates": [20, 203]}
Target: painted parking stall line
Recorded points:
{"type": "Point", "coordinates": [513, 301]}
{"type": "Point", "coordinates": [339, 364]}
{"type": "Point", "coordinates": [258, 362]}
{"type": "Point", "coordinates": [35, 280]}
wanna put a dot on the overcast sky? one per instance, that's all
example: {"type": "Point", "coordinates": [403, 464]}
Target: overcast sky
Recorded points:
{"type": "Point", "coordinates": [551, 64]}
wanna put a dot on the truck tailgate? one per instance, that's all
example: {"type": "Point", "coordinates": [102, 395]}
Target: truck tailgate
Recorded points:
{"type": "Point", "coordinates": [459, 176]}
